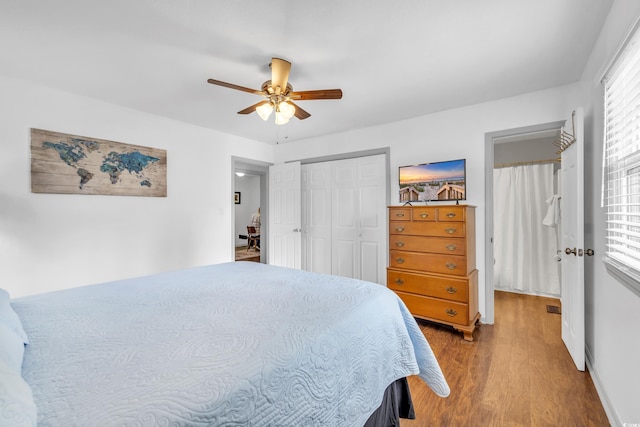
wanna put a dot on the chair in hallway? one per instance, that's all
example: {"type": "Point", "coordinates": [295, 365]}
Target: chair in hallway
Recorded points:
{"type": "Point", "coordinates": [253, 238]}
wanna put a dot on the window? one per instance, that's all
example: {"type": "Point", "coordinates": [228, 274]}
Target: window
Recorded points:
{"type": "Point", "coordinates": [621, 179]}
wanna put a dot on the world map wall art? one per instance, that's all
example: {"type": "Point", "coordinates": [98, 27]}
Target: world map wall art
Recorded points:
{"type": "Point", "coordinates": [71, 164]}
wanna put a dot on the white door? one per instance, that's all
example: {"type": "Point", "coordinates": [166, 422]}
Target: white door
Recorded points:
{"type": "Point", "coordinates": [345, 256]}
{"type": "Point", "coordinates": [284, 215]}
{"type": "Point", "coordinates": [359, 218]}
{"type": "Point", "coordinates": [572, 222]}
{"type": "Point", "coordinates": [316, 217]}
{"type": "Point", "coordinates": [372, 219]}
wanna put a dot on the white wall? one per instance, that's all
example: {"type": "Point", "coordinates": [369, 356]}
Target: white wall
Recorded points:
{"type": "Point", "coordinates": [249, 188]}
{"type": "Point", "coordinates": [54, 241]}
{"type": "Point", "coordinates": [612, 311]}
{"type": "Point", "coordinates": [451, 134]}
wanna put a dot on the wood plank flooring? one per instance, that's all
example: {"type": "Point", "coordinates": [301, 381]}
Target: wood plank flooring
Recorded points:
{"type": "Point", "coordinates": [516, 372]}
{"type": "Point", "coordinates": [243, 255]}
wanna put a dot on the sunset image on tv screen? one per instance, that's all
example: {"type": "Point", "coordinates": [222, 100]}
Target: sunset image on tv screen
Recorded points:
{"type": "Point", "coordinates": [433, 181]}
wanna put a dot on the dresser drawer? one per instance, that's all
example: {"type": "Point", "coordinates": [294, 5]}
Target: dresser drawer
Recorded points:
{"type": "Point", "coordinates": [451, 213]}
{"type": "Point", "coordinates": [435, 263]}
{"type": "Point", "coordinates": [400, 214]}
{"type": "Point", "coordinates": [439, 245]}
{"type": "Point", "coordinates": [429, 285]}
{"type": "Point", "coordinates": [435, 308]}
{"type": "Point", "coordinates": [425, 228]}
{"type": "Point", "coordinates": [424, 214]}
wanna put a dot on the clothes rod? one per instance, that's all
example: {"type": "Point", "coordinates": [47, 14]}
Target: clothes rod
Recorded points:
{"type": "Point", "coordinates": [533, 162]}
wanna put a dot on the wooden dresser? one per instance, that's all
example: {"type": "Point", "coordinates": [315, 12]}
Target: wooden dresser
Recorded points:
{"type": "Point", "coordinates": [432, 263]}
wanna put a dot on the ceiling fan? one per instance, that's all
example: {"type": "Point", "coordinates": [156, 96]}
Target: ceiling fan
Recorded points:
{"type": "Point", "coordinates": [279, 95]}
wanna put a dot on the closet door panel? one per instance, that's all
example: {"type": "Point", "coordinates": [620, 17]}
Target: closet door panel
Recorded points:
{"type": "Point", "coordinates": [372, 214]}
{"type": "Point", "coordinates": [345, 208]}
{"type": "Point", "coordinates": [369, 201]}
{"type": "Point", "coordinates": [319, 255]}
{"type": "Point", "coordinates": [344, 258]}
{"type": "Point", "coordinates": [285, 215]}
{"type": "Point", "coordinates": [316, 224]}
{"type": "Point", "coordinates": [369, 265]}
{"type": "Point", "coordinates": [346, 254]}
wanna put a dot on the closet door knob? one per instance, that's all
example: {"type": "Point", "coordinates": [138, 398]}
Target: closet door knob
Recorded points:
{"type": "Point", "coordinates": [569, 251]}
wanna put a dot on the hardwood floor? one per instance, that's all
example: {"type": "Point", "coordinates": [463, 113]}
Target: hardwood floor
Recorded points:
{"type": "Point", "coordinates": [243, 255]}
{"type": "Point", "coordinates": [516, 372]}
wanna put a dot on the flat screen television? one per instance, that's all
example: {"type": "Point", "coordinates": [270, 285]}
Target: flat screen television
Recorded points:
{"type": "Point", "coordinates": [439, 181]}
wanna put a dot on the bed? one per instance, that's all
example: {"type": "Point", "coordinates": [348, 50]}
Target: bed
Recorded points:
{"type": "Point", "coordinates": [235, 344]}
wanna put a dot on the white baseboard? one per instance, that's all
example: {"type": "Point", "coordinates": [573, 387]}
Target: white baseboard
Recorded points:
{"type": "Point", "coordinates": [614, 420]}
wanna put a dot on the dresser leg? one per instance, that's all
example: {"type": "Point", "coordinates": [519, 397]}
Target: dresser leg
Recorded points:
{"type": "Point", "coordinates": [467, 332]}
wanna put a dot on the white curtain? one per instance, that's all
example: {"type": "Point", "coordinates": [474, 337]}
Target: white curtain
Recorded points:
{"type": "Point", "coordinates": [525, 250]}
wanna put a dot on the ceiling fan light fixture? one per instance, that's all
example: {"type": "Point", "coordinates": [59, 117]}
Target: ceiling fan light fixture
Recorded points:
{"type": "Point", "coordinates": [281, 119]}
{"type": "Point", "coordinates": [287, 109]}
{"type": "Point", "coordinates": [264, 111]}
{"type": "Point", "coordinates": [279, 92]}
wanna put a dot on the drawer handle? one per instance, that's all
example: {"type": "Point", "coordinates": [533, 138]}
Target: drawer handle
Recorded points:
{"type": "Point", "coordinates": [451, 214]}
{"type": "Point", "coordinates": [450, 230]}
{"type": "Point", "coordinates": [451, 312]}
{"type": "Point", "coordinates": [452, 290]}
{"type": "Point", "coordinates": [451, 265]}
{"type": "Point", "coordinates": [451, 247]}
{"type": "Point", "coordinates": [400, 229]}
{"type": "Point", "coordinates": [400, 260]}
{"type": "Point", "coordinates": [424, 215]}
{"type": "Point", "coordinates": [399, 282]}
{"type": "Point", "coordinates": [399, 244]}
{"type": "Point", "coordinates": [400, 214]}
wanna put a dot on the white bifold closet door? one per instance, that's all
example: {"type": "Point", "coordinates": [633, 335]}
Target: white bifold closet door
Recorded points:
{"type": "Point", "coordinates": [316, 217]}
{"type": "Point", "coordinates": [344, 218]}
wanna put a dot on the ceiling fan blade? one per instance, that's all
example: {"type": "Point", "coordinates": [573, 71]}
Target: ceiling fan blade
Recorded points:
{"type": "Point", "coordinates": [307, 95]}
{"type": "Point", "coordinates": [300, 113]}
{"type": "Point", "coordinates": [251, 109]}
{"type": "Point", "coordinates": [280, 73]}
{"type": "Point", "coordinates": [232, 86]}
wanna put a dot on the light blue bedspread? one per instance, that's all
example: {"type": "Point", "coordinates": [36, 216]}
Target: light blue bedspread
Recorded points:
{"type": "Point", "coordinates": [237, 344]}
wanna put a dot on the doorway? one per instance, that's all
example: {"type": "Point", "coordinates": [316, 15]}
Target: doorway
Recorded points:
{"type": "Point", "coordinates": [250, 207]}
{"type": "Point", "coordinates": [527, 142]}
{"type": "Point", "coordinates": [526, 214]}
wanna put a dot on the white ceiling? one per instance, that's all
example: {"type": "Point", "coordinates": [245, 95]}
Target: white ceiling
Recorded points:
{"type": "Point", "coordinates": [393, 60]}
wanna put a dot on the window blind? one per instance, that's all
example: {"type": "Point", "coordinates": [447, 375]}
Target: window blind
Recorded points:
{"type": "Point", "coordinates": [621, 158]}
